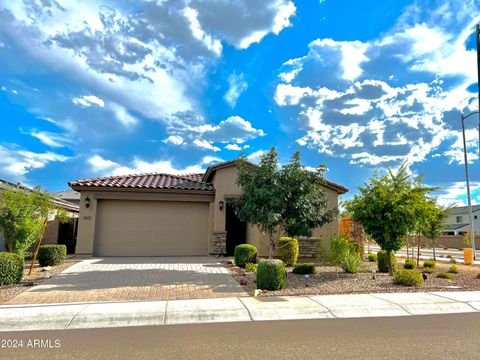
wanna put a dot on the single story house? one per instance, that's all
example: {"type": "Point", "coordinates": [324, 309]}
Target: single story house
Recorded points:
{"type": "Point", "coordinates": [56, 232]}
{"type": "Point", "coordinates": [170, 215]}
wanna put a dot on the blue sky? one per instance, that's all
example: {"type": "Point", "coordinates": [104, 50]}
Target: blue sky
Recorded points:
{"type": "Point", "coordinates": [96, 88]}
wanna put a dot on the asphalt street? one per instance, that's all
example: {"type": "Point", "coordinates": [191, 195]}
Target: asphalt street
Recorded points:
{"type": "Point", "coordinates": [417, 337]}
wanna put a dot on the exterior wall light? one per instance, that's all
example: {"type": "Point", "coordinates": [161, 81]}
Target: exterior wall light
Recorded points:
{"type": "Point", "coordinates": [87, 202]}
{"type": "Point", "coordinates": [220, 204]}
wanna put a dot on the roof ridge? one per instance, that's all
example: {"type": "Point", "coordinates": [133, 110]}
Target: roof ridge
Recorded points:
{"type": "Point", "coordinates": [181, 176]}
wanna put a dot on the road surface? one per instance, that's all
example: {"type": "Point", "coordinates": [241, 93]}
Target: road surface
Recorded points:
{"type": "Point", "coordinates": [418, 337]}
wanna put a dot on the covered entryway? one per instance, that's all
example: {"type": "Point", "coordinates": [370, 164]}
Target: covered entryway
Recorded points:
{"type": "Point", "coordinates": [236, 230]}
{"type": "Point", "coordinates": [151, 228]}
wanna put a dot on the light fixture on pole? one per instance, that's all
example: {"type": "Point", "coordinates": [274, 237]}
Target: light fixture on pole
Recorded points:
{"type": "Point", "coordinates": [469, 198]}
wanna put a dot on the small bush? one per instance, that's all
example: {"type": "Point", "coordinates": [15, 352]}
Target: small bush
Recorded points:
{"type": "Point", "coordinates": [271, 275]}
{"type": "Point", "coordinates": [288, 250]}
{"type": "Point", "coordinates": [351, 263]}
{"type": "Point", "coordinates": [372, 257]}
{"type": "Point", "coordinates": [453, 269]}
{"type": "Point", "coordinates": [245, 253]}
{"type": "Point", "coordinates": [11, 268]}
{"type": "Point", "coordinates": [409, 265]}
{"type": "Point", "coordinates": [445, 275]}
{"type": "Point", "coordinates": [304, 269]}
{"type": "Point", "coordinates": [408, 278]}
{"type": "Point", "coordinates": [382, 261]}
{"type": "Point", "coordinates": [453, 260]}
{"type": "Point", "coordinates": [50, 255]}
{"type": "Point", "coordinates": [428, 270]}
{"type": "Point", "coordinates": [250, 267]}
{"type": "Point", "coordinates": [429, 264]}
{"type": "Point", "coordinates": [340, 248]}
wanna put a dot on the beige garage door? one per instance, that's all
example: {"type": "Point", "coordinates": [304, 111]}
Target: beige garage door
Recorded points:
{"type": "Point", "coordinates": [151, 228]}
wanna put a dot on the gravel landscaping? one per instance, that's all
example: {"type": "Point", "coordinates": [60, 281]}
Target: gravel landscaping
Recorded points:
{"type": "Point", "coordinates": [332, 280]}
{"type": "Point", "coordinates": [10, 291]}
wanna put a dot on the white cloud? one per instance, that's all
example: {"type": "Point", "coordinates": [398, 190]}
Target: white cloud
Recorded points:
{"type": "Point", "coordinates": [234, 147]}
{"type": "Point", "coordinates": [15, 163]}
{"type": "Point", "coordinates": [122, 115]}
{"type": "Point", "coordinates": [208, 160]}
{"type": "Point", "coordinates": [237, 85]}
{"type": "Point", "coordinates": [88, 100]}
{"type": "Point", "coordinates": [173, 139]}
{"type": "Point", "coordinates": [455, 193]}
{"type": "Point", "coordinates": [204, 144]}
{"type": "Point", "coordinates": [54, 140]}
{"type": "Point", "coordinates": [212, 44]}
{"type": "Point", "coordinates": [256, 155]}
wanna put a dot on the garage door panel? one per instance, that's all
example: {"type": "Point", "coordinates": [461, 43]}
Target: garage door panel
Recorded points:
{"type": "Point", "coordinates": [151, 228]}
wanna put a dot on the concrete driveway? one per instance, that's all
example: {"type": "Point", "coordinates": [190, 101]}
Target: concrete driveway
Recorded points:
{"type": "Point", "coordinates": [133, 279]}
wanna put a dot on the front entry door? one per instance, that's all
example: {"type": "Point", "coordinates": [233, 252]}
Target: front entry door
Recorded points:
{"type": "Point", "coordinates": [236, 230]}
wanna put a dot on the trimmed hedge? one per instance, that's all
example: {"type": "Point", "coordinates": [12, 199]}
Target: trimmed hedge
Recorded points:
{"type": "Point", "coordinates": [372, 257]}
{"type": "Point", "coordinates": [50, 255]}
{"type": "Point", "coordinates": [245, 253]}
{"type": "Point", "coordinates": [429, 264]}
{"type": "Point", "coordinates": [304, 269]}
{"type": "Point", "coordinates": [408, 278]}
{"type": "Point", "coordinates": [271, 275]}
{"type": "Point", "coordinates": [445, 275]}
{"type": "Point", "coordinates": [288, 248]}
{"type": "Point", "coordinates": [11, 268]}
{"type": "Point", "coordinates": [382, 261]}
{"type": "Point", "coordinates": [409, 264]}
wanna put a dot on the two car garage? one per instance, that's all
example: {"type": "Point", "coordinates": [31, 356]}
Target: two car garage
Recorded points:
{"type": "Point", "coordinates": [151, 228]}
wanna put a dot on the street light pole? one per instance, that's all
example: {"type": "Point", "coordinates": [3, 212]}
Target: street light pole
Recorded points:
{"type": "Point", "coordinates": [470, 212]}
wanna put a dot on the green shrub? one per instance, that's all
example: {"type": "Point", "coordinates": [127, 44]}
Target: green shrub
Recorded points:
{"type": "Point", "coordinates": [245, 253]}
{"type": "Point", "coordinates": [429, 264]}
{"type": "Point", "coordinates": [271, 275]}
{"type": "Point", "coordinates": [382, 261]}
{"type": "Point", "coordinates": [351, 263]}
{"type": "Point", "coordinates": [372, 257]}
{"type": "Point", "coordinates": [288, 250]}
{"type": "Point", "coordinates": [11, 268]}
{"type": "Point", "coordinates": [250, 267]}
{"type": "Point", "coordinates": [408, 278]}
{"type": "Point", "coordinates": [453, 269]}
{"type": "Point", "coordinates": [428, 270]}
{"type": "Point", "coordinates": [340, 248]}
{"type": "Point", "coordinates": [409, 265]}
{"type": "Point", "coordinates": [445, 275]}
{"type": "Point", "coordinates": [304, 269]}
{"type": "Point", "coordinates": [50, 255]}
{"type": "Point", "coordinates": [453, 260]}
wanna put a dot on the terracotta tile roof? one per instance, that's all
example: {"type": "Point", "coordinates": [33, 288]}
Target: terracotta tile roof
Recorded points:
{"type": "Point", "coordinates": [147, 181]}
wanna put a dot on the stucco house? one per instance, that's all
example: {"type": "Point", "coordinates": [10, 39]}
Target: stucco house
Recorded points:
{"type": "Point", "coordinates": [458, 220]}
{"type": "Point", "coordinates": [170, 215]}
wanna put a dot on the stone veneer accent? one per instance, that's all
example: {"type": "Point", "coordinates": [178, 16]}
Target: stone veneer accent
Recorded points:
{"type": "Point", "coordinates": [219, 243]}
{"type": "Point", "coordinates": [308, 247]}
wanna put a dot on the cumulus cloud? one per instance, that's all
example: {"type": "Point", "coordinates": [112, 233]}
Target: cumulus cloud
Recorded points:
{"type": "Point", "coordinates": [255, 156]}
{"type": "Point", "coordinates": [233, 147]}
{"type": "Point", "coordinates": [393, 99]}
{"type": "Point", "coordinates": [104, 167]}
{"type": "Point", "coordinates": [15, 162]}
{"type": "Point", "coordinates": [236, 85]}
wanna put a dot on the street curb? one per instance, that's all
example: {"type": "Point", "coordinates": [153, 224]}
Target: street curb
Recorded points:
{"type": "Point", "coordinates": [195, 311]}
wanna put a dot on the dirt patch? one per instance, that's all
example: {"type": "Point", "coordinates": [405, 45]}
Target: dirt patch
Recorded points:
{"type": "Point", "coordinates": [10, 291]}
{"type": "Point", "coordinates": [332, 280]}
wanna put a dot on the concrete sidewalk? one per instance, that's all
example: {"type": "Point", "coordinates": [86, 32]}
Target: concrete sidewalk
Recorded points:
{"type": "Point", "coordinates": [122, 314]}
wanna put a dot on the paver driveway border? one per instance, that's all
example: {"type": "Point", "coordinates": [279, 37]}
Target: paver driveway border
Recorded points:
{"type": "Point", "coordinates": [135, 279]}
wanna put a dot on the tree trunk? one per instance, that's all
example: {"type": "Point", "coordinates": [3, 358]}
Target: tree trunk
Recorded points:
{"type": "Point", "coordinates": [408, 254]}
{"type": "Point", "coordinates": [389, 262]}
{"type": "Point", "coordinates": [434, 246]}
{"type": "Point", "coordinates": [418, 250]}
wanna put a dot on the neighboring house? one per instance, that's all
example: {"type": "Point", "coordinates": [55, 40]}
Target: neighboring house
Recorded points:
{"type": "Point", "coordinates": [458, 222]}
{"type": "Point", "coordinates": [170, 215]}
{"type": "Point", "coordinates": [55, 233]}
{"type": "Point", "coordinates": [67, 195]}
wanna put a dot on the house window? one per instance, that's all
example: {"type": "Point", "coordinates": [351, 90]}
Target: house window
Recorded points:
{"type": "Point", "coordinates": [459, 219]}
{"type": "Point", "coordinates": [475, 217]}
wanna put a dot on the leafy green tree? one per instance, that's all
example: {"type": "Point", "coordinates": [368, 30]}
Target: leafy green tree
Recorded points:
{"type": "Point", "coordinates": [387, 207]}
{"type": "Point", "coordinates": [435, 224]}
{"type": "Point", "coordinates": [22, 215]}
{"type": "Point", "coordinates": [290, 199]}
{"type": "Point", "coordinates": [306, 205]}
